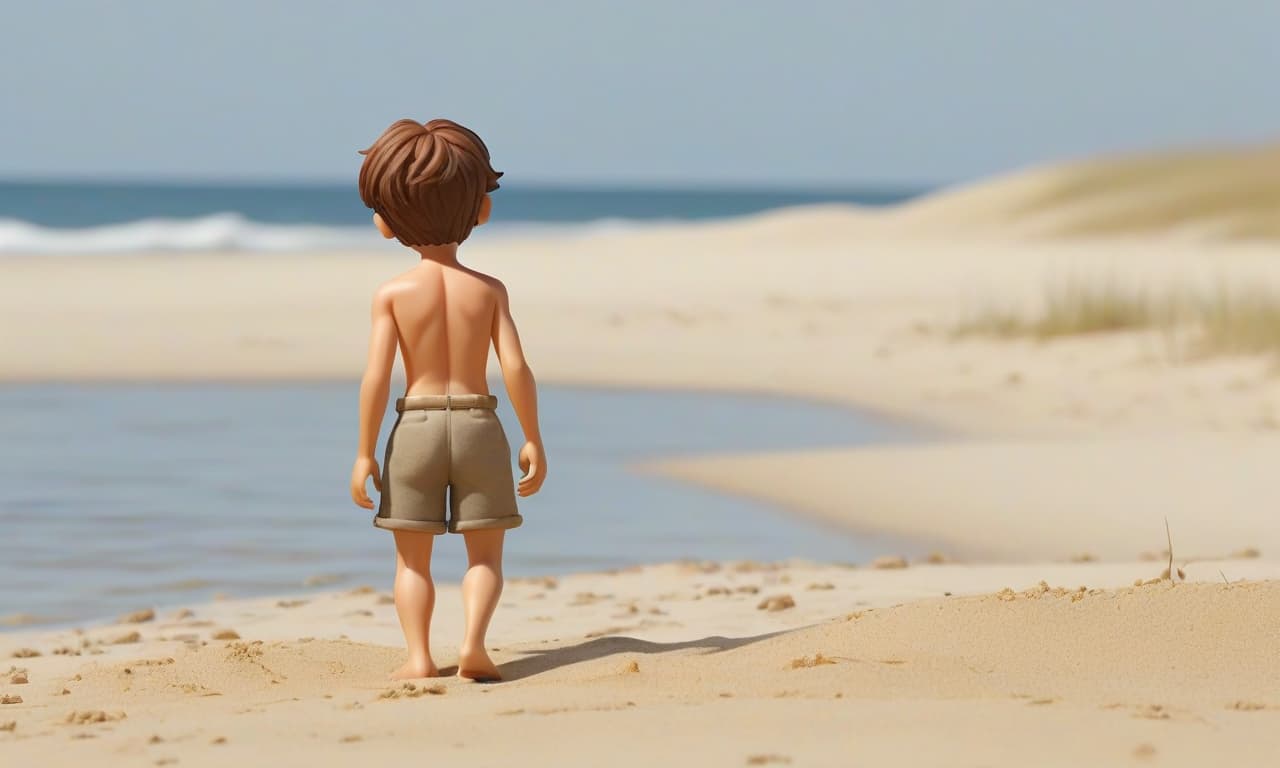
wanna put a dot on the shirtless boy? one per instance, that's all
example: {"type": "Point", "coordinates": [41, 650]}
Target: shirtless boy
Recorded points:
{"type": "Point", "coordinates": [428, 186]}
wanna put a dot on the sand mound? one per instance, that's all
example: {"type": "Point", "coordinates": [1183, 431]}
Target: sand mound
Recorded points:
{"type": "Point", "coordinates": [1160, 645]}
{"type": "Point", "coordinates": [1223, 194]}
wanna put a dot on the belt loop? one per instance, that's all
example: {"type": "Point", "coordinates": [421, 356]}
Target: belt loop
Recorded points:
{"type": "Point", "coordinates": [448, 402]}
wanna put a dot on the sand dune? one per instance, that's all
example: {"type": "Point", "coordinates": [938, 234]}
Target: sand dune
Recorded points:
{"type": "Point", "coordinates": [1212, 194]}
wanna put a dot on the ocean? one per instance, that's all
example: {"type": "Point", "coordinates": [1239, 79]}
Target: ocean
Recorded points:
{"type": "Point", "coordinates": [116, 217]}
{"type": "Point", "coordinates": [115, 497]}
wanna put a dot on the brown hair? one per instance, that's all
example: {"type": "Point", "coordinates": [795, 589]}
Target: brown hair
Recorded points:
{"type": "Point", "coordinates": [427, 181]}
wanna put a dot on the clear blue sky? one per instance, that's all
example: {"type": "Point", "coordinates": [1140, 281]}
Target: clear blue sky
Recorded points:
{"type": "Point", "coordinates": [658, 91]}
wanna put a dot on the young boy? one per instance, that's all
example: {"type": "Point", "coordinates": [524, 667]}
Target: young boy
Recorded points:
{"type": "Point", "coordinates": [428, 185]}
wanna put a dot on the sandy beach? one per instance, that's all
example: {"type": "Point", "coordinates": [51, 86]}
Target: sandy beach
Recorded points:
{"type": "Point", "coordinates": [1045, 635]}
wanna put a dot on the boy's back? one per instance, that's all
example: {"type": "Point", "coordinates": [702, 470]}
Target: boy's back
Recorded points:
{"type": "Point", "coordinates": [445, 319]}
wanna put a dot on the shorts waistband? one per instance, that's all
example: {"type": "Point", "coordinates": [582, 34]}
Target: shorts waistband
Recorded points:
{"type": "Point", "coordinates": [445, 402]}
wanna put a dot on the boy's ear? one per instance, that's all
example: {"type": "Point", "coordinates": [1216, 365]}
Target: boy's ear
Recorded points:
{"type": "Point", "coordinates": [382, 227]}
{"type": "Point", "coordinates": [486, 208]}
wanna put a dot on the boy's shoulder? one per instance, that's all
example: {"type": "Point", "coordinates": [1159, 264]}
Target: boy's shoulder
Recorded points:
{"type": "Point", "coordinates": [410, 281]}
{"type": "Point", "coordinates": [493, 283]}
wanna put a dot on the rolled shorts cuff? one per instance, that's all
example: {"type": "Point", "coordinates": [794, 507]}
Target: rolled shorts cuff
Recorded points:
{"type": "Point", "coordinates": [421, 526]}
{"type": "Point", "coordinates": [496, 523]}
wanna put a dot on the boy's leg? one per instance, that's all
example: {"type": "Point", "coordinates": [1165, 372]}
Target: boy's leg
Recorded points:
{"type": "Point", "coordinates": [481, 588]}
{"type": "Point", "coordinates": [415, 598]}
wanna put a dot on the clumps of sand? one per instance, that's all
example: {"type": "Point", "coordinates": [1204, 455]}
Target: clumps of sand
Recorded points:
{"type": "Point", "coordinates": [1043, 589]}
{"type": "Point", "coordinates": [226, 634]}
{"type": "Point", "coordinates": [291, 603]}
{"type": "Point", "coordinates": [127, 638]}
{"type": "Point", "coordinates": [9, 725]}
{"type": "Point", "coordinates": [805, 662]}
{"type": "Point", "coordinates": [87, 716]}
{"type": "Point", "coordinates": [412, 691]}
{"type": "Point", "coordinates": [776, 603]}
{"type": "Point", "coordinates": [1249, 706]}
{"type": "Point", "coordinates": [10, 699]}
{"type": "Point", "coordinates": [17, 676]}
{"type": "Point", "coordinates": [137, 617]}
{"type": "Point", "coordinates": [546, 582]}
{"type": "Point", "coordinates": [631, 667]}
{"type": "Point", "coordinates": [25, 653]}
{"type": "Point", "coordinates": [889, 562]}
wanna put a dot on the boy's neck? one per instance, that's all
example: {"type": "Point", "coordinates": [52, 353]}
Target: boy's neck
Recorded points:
{"type": "Point", "coordinates": [441, 254]}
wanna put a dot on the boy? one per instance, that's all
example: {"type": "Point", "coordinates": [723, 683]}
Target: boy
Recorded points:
{"type": "Point", "coordinates": [428, 185]}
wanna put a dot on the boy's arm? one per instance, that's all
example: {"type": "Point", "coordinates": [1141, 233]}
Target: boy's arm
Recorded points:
{"type": "Point", "coordinates": [375, 386]}
{"type": "Point", "coordinates": [522, 390]}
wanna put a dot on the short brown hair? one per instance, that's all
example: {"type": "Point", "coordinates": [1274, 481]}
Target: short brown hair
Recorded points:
{"type": "Point", "coordinates": [427, 181]}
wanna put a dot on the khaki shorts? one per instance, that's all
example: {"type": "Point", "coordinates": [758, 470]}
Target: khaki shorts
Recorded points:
{"type": "Point", "coordinates": [454, 442]}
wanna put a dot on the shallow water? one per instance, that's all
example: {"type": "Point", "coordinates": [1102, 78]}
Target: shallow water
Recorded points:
{"type": "Point", "coordinates": [116, 497]}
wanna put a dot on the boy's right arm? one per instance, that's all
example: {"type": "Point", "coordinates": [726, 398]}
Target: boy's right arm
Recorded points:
{"type": "Point", "coordinates": [522, 390]}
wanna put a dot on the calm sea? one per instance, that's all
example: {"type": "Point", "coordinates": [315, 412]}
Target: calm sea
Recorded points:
{"type": "Point", "coordinates": [116, 497]}
{"type": "Point", "coordinates": [58, 217]}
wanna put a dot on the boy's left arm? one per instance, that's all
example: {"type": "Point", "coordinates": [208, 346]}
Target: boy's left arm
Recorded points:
{"type": "Point", "coordinates": [375, 386]}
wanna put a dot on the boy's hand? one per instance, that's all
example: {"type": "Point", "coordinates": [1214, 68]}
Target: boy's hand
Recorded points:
{"type": "Point", "coordinates": [534, 465]}
{"type": "Point", "coordinates": [365, 467]}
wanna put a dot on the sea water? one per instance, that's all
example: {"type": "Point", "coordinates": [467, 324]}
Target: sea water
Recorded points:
{"type": "Point", "coordinates": [117, 217]}
{"type": "Point", "coordinates": [115, 496]}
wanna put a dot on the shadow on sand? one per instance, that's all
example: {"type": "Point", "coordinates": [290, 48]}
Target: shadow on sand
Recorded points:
{"type": "Point", "coordinates": [535, 662]}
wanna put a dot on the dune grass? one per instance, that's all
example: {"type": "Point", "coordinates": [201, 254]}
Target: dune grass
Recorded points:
{"type": "Point", "coordinates": [1218, 322]}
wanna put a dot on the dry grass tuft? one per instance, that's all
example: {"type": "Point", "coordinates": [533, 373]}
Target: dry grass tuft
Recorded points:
{"type": "Point", "coordinates": [1220, 322]}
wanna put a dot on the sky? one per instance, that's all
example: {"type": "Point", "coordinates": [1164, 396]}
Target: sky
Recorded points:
{"type": "Point", "coordinates": [672, 92]}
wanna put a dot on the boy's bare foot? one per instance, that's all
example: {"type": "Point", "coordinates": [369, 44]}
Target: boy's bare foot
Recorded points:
{"type": "Point", "coordinates": [412, 670]}
{"type": "Point", "coordinates": [477, 666]}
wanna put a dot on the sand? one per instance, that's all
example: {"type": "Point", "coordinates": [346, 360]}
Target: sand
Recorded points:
{"type": "Point", "coordinates": [1007, 665]}
{"type": "Point", "coordinates": [1030, 460]}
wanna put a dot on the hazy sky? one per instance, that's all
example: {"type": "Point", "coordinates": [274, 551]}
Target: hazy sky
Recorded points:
{"type": "Point", "coordinates": [687, 91]}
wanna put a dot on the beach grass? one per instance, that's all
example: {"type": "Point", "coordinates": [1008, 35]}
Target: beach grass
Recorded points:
{"type": "Point", "coordinates": [1222, 321]}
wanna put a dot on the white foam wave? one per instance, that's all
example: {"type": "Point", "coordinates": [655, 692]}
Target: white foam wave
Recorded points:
{"type": "Point", "coordinates": [234, 232]}
{"type": "Point", "coordinates": [218, 232]}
